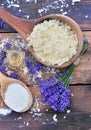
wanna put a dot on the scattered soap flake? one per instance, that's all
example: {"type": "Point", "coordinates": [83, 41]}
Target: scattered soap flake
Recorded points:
{"type": "Point", "coordinates": [46, 109]}
{"type": "Point", "coordinates": [5, 111]}
{"type": "Point", "coordinates": [25, 70]}
{"type": "Point", "coordinates": [64, 117]}
{"type": "Point", "coordinates": [72, 94]}
{"type": "Point", "coordinates": [43, 123]}
{"type": "Point", "coordinates": [39, 74]}
{"type": "Point", "coordinates": [35, 1]}
{"type": "Point", "coordinates": [12, 4]}
{"type": "Point", "coordinates": [27, 0]}
{"type": "Point", "coordinates": [27, 16]}
{"type": "Point", "coordinates": [20, 126]}
{"type": "Point", "coordinates": [86, 16]}
{"type": "Point", "coordinates": [64, 13]}
{"type": "Point", "coordinates": [55, 118]}
{"type": "Point", "coordinates": [54, 5]}
{"type": "Point", "coordinates": [76, 0]}
{"type": "Point", "coordinates": [19, 118]}
{"type": "Point", "coordinates": [27, 124]}
{"type": "Point", "coordinates": [20, 10]}
{"type": "Point", "coordinates": [68, 111]}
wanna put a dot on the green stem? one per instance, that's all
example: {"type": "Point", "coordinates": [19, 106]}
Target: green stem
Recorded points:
{"type": "Point", "coordinates": [64, 75]}
{"type": "Point", "coordinates": [68, 77]}
{"type": "Point", "coordinates": [65, 78]}
{"type": "Point", "coordinates": [70, 73]}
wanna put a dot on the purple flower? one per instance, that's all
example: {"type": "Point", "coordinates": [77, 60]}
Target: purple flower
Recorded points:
{"type": "Point", "coordinates": [2, 56]}
{"type": "Point", "coordinates": [33, 67]}
{"type": "Point", "coordinates": [28, 63]}
{"type": "Point", "coordinates": [85, 41]}
{"type": "Point", "coordinates": [14, 75]}
{"type": "Point", "coordinates": [55, 94]}
{"type": "Point", "coordinates": [38, 66]}
{"type": "Point", "coordinates": [8, 45]}
{"type": "Point", "coordinates": [2, 53]}
{"type": "Point", "coordinates": [1, 61]}
{"type": "Point", "coordinates": [37, 79]}
{"type": "Point", "coordinates": [30, 67]}
{"type": "Point", "coordinates": [18, 14]}
{"type": "Point", "coordinates": [1, 23]}
{"type": "Point", "coordinates": [3, 68]}
{"type": "Point", "coordinates": [47, 83]}
{"type": "Point", "coordinates": [32, 70]}
{"type": "Point", "coordinates": [66, 72]}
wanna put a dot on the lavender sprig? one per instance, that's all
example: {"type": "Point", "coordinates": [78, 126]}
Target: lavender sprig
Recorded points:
{"type": "Point", "coordinates": [33, 67]}
{"type": "Point", "coordinates": [55, 94]}
{"type": "Point", "coordinates": [54, 91]}
{"type": "Point", "coordinates": [1, 23]}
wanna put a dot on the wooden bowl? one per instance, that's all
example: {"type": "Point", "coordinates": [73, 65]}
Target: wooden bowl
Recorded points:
{"type": "Point", "coordinates": [74, 27]}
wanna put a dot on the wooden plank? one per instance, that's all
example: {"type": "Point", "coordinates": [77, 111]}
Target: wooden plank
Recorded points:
{"type": "Point", "coordinates": [78, 118]}
{"type": "Point", "coordinates": [79, 11]}
{"type": "Point", "coordinates": [82, 72]}
{"type": "Point", "coordinates": [80, 101]}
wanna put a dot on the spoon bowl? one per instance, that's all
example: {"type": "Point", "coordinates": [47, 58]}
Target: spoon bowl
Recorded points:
{"type": "Point", "coordinates": [5, 82]}
{"type": "Point", "coordinates": [25, 27]}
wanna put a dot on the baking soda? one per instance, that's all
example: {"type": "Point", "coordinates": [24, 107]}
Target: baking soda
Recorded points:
{"type": "Point", "coordinates": [17, 97]}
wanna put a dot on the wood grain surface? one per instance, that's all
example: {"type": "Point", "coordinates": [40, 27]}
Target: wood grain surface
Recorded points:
{"type": "Point", "coordinates": [80, 114]}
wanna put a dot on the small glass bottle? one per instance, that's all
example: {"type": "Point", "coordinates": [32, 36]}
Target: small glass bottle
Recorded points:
{"type": "Point", "coordinates": [15, 58]}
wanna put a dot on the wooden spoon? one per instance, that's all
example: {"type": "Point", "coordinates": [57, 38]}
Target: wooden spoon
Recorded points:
{"type": "Point", "coordinates": [25, 27]}
{"type": "Point", "coordinates": [5, 87]}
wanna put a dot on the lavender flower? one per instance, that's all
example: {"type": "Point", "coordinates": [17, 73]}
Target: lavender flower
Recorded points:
{"type": "Point", "coordinates": [1, 23]}
{"type": "Point", "coordinates": [14, 75]}
{"type": "Point", "coordinates": [2, 56]}
{"type": "Point", "coordinates": [33, 67]}
{"type": "Point", "coordinates": [1, 61]}
{"type": "Point", "coordinates": [55, 94]}
{"type": "Point", "coordinates": [28, 63]}
{"type": "Point", "coordinates": [3, 68]}
{"type": "Point", "coordinates": [47, 83]}
{"type": "Point", "coordinates": [8, 45]}
{"type": "Point", "coordinates": [66, 72]}
{"type": "Point", "coordinates": [85, 41]}
{"type": "Point", "coordinates": [2, 53]}
{"type": "Point", "coordinates": [18, 14]}
{"type": "Point", "coordinates": [38, 66]}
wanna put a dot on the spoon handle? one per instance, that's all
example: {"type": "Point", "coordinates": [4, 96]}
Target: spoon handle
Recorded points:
{"type": "Point", "coordinates": [2, 77]}
{"type": "Point", "coordinates": [23, 26]}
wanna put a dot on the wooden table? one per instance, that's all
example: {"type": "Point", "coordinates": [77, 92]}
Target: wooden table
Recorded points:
{"type": "Point", "coordinates": [79, 116]}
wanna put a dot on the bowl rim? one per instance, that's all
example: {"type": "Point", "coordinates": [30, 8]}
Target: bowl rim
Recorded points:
{"type": "Point", "coordinates": [75, 27]}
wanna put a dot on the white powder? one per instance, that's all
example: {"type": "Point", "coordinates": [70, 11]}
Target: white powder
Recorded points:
{"type": "Point", "coordinates": [17, 97]}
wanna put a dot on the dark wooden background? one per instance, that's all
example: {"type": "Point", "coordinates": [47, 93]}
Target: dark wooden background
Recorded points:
{"type": "Point", "coordinates": [80, 116]}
